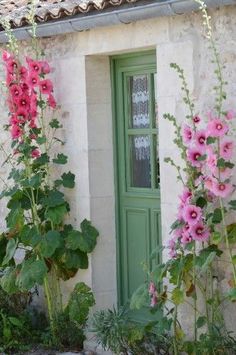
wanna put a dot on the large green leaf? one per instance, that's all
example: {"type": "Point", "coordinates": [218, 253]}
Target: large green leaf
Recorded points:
{"type": "Point", "coordinates": [75, 259]}
{"type": "Point", "coordinates": [60, 159]}
{"type": "Point", "coordinates": [49, 243]}
{"type": "Point", "coordinates": [54, 198]}
{"type": "Point", "coordinates": [56, 214]}
{"type": "Point", "coordinates": [30, 236]}
{"type": "Point", "coordinates": [10, 250]}
{"type": "Point", "coordinates": [15, 218]}
{"type": "Point", "coordinates": [85, 240]}
{"type": "Point", "coordinates": [140, 298]}
{"type": "Point", "coordinates": [3, 246]}
{"type": "Point", "coordinates": [32, 272]}
{"type": "Point", "coordinates": [217, 216]}
{"type": "Point", "coordinates": [8, 280]}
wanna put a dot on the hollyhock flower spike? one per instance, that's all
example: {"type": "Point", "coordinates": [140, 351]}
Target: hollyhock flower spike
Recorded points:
{"type": "Point", "coordinates": [187, 134]}
{"type": "Point", "coordinates": [192, 214]}
{"type": "Point", "coordinates": [217, 128]}
{"type": "Point", "coordinates": [230, 115]}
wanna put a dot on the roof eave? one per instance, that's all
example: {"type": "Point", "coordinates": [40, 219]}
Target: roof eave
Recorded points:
{"type": "Point", "coordinates": [121, 15]}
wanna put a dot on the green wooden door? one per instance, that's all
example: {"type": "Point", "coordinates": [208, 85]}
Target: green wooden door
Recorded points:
{"type": "Point", "coordinates": [138, 196]}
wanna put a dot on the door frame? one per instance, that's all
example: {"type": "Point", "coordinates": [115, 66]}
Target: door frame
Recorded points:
{"type": "Point", "coordinates": [113, 73]}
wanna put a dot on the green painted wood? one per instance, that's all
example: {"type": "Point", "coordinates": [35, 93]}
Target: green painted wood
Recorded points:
{"type": "Point", "coordinates": [138, 207]}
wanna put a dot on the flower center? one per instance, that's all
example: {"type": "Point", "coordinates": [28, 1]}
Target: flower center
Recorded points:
{"type": "Point", "coordinates": [44, 87]}
{"type": "Point", "coordinates": [222, 187]}
{"type": "Point", "coordinates": [193, 214]}
{"type": "Point", "coordinates": [199, 231]}
{"type": "Point", "coordinates": [197, 156]}
{"type": "Point", "coordinates": [202, 140]}
{"type": "Point", "coordinates": [219, 126]}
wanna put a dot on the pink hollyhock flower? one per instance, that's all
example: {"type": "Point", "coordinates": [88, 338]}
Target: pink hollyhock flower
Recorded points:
{"type": "Point", "coordinates": [22, 114]}
{"type": "Point", "coordinates": [51, 101]}
{"type": "Point", "coordinates": [6, 56]}
{"type": "Point", "coordinates": [14, 120]}
{"type": "Point", "coordinates": [24, 102]}
{"type": "Point", "coordinates": [217, 128]}
{"type": "Point", "coordinates": [35, 153]}
{"type": "Point", "coordinates": [192, 214]}
{"type": "Point", "coordinates": [34, 66]}
{"type": "Point", "coordinates": [222, 173]}
{"type": "Point", "coordinates": [154, 300]}
{"type": "Point", "coordinates": [33, 136]}
{"type": "Point", "coordinates": [33, 80]}
{"type": "Point", "coordinates": [186, 238]}
{"type": "Point", "coordinates": [200, 140]}
{"type": "Point", "coordinates": [227, 149]}
{"type": "Point", "coordinates": [200, 232]}
{"type": "Point", "coordinates": [24, 87]}
{"type": "Point", "coordinates": [172, 254]}
{"type": "Point", "coordinates": [209, 183]}
{"type": "Point", "coordinates": [193, 154]}
{"type": "Point", "coordinates": [32, 123]}
{"type": "Point", "coordinates": [45, 67]}
{"type": "Point", "coordinates": [230, 115]}
{"type": "Point", "coordinates": [15, 90]}
{"type": "Point", "coordinates": [222, 189]}
{"type": "Point", "coordinates": [186, 195]}
{"type": "Point", "coordinates": [9, 79]}
{"type": "Point", "coordinates": [16, 132]}
{"type": "Point", "coordinates": [187, 134]}
{"type": "Point", "coordinates": [211, 159]}
{"type": "Point", "coordinates": [152, 288]}
{"type": "Point", "coordinates": [11, 65]}
{"type": "Point", "coordinates": [45, 86]}
{"type": "Point", "coordinates": [196, 119]}
{"type": "Point", "coordinates": [23, 73]}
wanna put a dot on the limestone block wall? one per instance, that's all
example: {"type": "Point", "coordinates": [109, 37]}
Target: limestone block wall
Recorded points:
{"type": "Point", "coordinates": [83, 89]}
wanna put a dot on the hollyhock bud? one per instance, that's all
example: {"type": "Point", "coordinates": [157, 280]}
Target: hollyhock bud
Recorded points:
{"type": "Point", "coordinates": [152, 288]}
{"type": "Point", "coordinates": [35, 153]}
{"type": "Point", "coordinates": [196, 119]}
{"type": "Point", "coordinates": [45, 67]}
{"type": "Point", "coordinates": [51, 101]}
{"type": "Point", "coordinates": [187, 134]}
{"type": "Point", "coordinates": [230, 115]}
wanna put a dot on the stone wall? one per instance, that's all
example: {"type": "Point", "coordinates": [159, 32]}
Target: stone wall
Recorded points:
{"type": "Point", "coordinates": [83, 89]}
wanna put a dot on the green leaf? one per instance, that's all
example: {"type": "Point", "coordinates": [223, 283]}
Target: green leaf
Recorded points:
{"type": "Point", "coordinates": [68, 180]}
{"type": "Point", "coordinates": [54, 198]}
{"type": "Point", "coordinates": [54, 123]}
{"type": "Point", "coordinates": [75, 259]}
{"type": "Point", "coordinates": [201, 321]}
{"type": "Point", "coordinates": [140, 298]}
{"type": "Point", "coordinates": [30, 236]}
{"type": "Point", "coordinates": [56, 214]}
{"type": "Point", "coordinates": [42, 160]}
{"type": "Point", "coordinates": [177, 296]}
{"type": "Point", "coordinates": [231, 229]}
{"type": "Point", "coordinates": [15, 218]}
{"type": "Point", "coordinates": [32, 272]}
{"type": "Point", "coordinates": [10, 250]}
{"type": "Point", "coordinates": [202, 157]}
{"type": "Point", "coordinates": [201, 202]}
{"type": "Point", "coordinates": [8, 280]}
{"type": "Point", "coordinates": [177, 224]}
{"type": "Point", "coordinates": [16, 322]}
{"type": "Point", "coordinates": [221, 163]}
{"type": "Point", "coordinates": [232, 204]}
{"type": "Point", "coordinates": [88, 240]}
{"type": "Point", "coordinates": [232, 294]}
{"type": "Point", "coordinates": [41, 140]}
{"type": "Point", "coordinates": [234, 259]}
{"type": "Point", "coordinates": [216, 237]}
{"type": "Point", "coordinates": [217, 216]}
{"type": "Point", "coordinates": [210, 140]}
{"type": "Point", "coordinates": [60, 159]}
{"type": "Point", "coordinates": [49, 243]}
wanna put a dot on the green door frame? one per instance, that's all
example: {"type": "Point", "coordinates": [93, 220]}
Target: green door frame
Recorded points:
{"type": "Point", "coordinates": [142, 57]}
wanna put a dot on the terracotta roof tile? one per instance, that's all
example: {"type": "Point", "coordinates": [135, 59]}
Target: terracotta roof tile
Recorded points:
{"type": "Point", "coordinates": [46, 10]}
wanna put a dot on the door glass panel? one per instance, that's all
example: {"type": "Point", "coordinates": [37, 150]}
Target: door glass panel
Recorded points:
{"type": "Point", "coordinates": [139, 90]}
{"type": "Point", "coordinates": [140, 150]}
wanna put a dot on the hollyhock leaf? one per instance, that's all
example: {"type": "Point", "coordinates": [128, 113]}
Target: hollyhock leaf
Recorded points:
{"type": "Point", "coordinates": [68, 180]}
{"type": "Point", "coordinates": [30, 236]}
{"type": "Point", "coordinates": [140, 298]}
{"type": "Point", "coordinates": [32, 272]}
{"type": "Point", "coordinates": [8, 280]}
{"type": "Point", "coordinates": [177, 224]}
{"type": "Point", "coordinates": [53, 198]}
{"type": "Point", "coordinates": [60, 159]}
{"type": "Point", "coordinates": [42, 160]}
{"type": "Point", "coordinates": [15, 218]}
{"type": "Point", "coordinates": [217, 216]}
{"type": "Point", "coordinates": [56, 214]}
{"type": "Point", "coordinates": [210, 140]}
{"type": "Point", "coordinates": [76, 259]}
{"type": "Point", "coordinates": [201, 321]}
{"type": "Point", "coordinates": [177, 296]}
{"type": "Point", "coordinates": [49, 243]}
{"type": "Point", "coordinates": [41, 140]}
{"type": "Point", "coordinates": [201, 202]}
{"type": "Point", "coordinates": [202, 157]}
{"type": "Point", "coordinates": [221, 163]}
{"type": "Point", "coordinates": [231, 229]}
{"type": "Point", "coordinates": [10, 250]}
{"type": "Point", "coordinates": [73, 240]}
{"type": "Point", "coordinates": [232, 204]}
{"type": "Point", "coordinates": [216, 237]}
{"type": "Point", "coordinates": [54, 123]}
{"type": "Point", "coordinates": [90, 235]}
{"type": "Point", "coordinates": [232, 294]}
{"type": "Point", "coordinates": [208, 262]}
{"type": "Point", "coordinates": [234, 259]}
{"type": "Point", "coordinates": [229, 165]}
